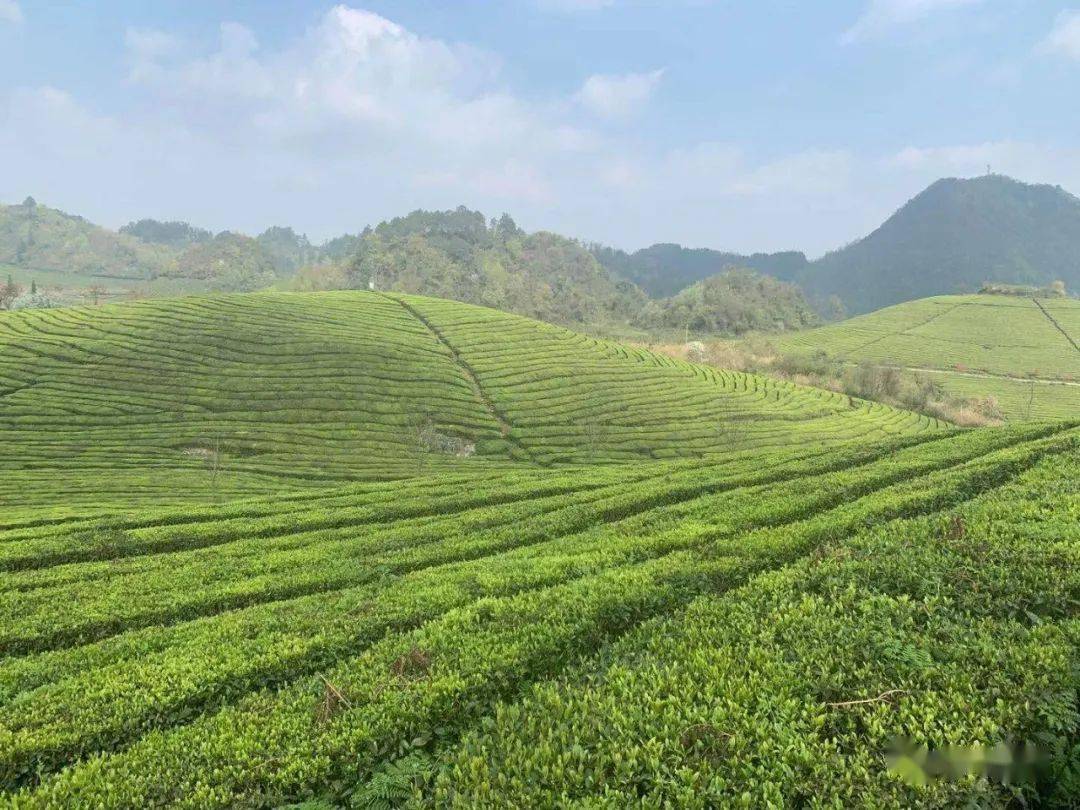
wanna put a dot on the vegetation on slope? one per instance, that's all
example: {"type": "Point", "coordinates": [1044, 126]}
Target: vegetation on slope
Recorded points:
{"type": "Point", "coordinates": [219, 397]}
{"type": "Point", "coordinates": [733, 303]}
{"type": "Point", "coordinates": [704, 633]}
{"type": "Point", "coordinates": [952, 238]}
{"type": "Point", "coordinates": [230, 261]}
{"type": "Point", "coordinates": [178, 235]}
{"type": "Point", "coordinates": [41, 238]}
{"type": "Point", "coordinates": [1021, 351]}
{"type": "Point", "coordinates": [665, 269]}
{"type": "Point", "coordinates": [457, 255]}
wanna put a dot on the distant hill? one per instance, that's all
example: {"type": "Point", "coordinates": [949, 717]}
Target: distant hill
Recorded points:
{"type": "Point", "coordinates": [734, 302]}
{"type": "Point", "coordinates": [459, 255]}
{"type": "Point", "coordinates": [41, 238]}
{"type": "Point", "coordinates": [664, 269]}
{"type": "Point", "coordinates": [953, 237]}
{"type": "Point", "coordinates": [178, 235]}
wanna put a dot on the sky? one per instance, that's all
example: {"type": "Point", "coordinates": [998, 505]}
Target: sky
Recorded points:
{"type": "Point", "coordinates": [745, 125]}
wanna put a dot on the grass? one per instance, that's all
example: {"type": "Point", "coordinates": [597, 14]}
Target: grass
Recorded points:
{"type": "Point", "coordinates": [249, 561]}
{"type": "Point", "coordinates": [976, 345]}
{"type": "Point", "coordinates": [206, 399]}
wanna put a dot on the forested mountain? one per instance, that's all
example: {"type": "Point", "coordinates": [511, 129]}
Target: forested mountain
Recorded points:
{"type": "Point", "coordinates": [229, 261]}
{"type": "Point", "coordinates": [459, 255]}
{"type": "Point", "coordinates": [953, 237]}
{"type": "Point", "coordinates": [735, 302]}
{"type": "Point", "coordinates": [664, 269]}
{"type": "Point", "coordinates": [41, 238]}
{"type": "Point", "coordinates": [171, 234]}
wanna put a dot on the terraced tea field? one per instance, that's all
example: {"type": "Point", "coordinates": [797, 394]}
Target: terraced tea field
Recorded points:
{"type": "Point", "coordinates": [358, 550]}
{"type": "Point", "coordinates": [167, 401]}
{"type": "Point", "coordinates": [1024, 352]}
{"type": "Point", "coordinates": [703, 632]}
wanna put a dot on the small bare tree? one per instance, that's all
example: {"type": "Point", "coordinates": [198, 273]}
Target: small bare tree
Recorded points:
{"type": "Point", "coordinates": [421, 434]}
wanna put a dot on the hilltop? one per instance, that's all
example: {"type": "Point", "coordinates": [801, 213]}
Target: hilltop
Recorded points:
{"type": "Point", "coordinates": [161, 400]}
{"type": "Point", "coordinates": [953, 237]}
{"type": "Point", "coordinates": [1024, 352]}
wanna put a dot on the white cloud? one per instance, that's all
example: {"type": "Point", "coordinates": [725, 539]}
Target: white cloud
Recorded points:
{"type": "Point", "coordinates": [882, 15]}
{"type": "Point", "coordinates": [1064, 37]}
{"type": "Point", "coordinates": [618, 95]}
{"type": "Point", "coordinates": [10, 12]}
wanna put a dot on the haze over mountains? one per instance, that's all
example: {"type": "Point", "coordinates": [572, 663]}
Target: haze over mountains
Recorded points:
{"type": "Point", "coordinates": [953, 237]}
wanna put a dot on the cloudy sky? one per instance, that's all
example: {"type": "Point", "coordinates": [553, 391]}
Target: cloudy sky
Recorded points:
{"type": "Point", "coordinates": [738, 124]}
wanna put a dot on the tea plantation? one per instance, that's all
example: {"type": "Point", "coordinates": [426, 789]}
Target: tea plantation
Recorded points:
{"type": "Point", "coordinates": [174, 400]}
{"type": "Point", "coordinates": [356, 550]}
{"type": "Point", "coordinates": [1024, 352]}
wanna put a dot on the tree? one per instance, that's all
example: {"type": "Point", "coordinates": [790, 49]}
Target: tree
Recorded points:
{"type": "Point", "coordinates": [8, 293]}
{"type": "Point", "coordinates": [33, 287]}
{"type": "Point", "coordinates": [420, 434]}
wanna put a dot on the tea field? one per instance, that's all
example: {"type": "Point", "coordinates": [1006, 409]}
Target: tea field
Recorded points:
{"type": "Point", "coordinates": [213, 398]}
{"type": "Point", "coordinates": [353, 550]}
{"type": "Point", "coordinates": [1025, 352]}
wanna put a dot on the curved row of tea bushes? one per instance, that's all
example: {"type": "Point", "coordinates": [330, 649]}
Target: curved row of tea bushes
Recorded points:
{"type": "Point", "coordinates": [496, 624]}
{"type": "Point", "coordinates": [947, 630]}
{"type": "Point", "coordinates": [210, 399]}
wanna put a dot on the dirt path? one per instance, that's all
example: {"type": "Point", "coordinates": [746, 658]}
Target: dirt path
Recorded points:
{"type": "Point", "coordinates": [505, 427]}
{"type": "Point", "coordinates": [987, 376]}
{"type": "Point", "coordinates": [1057, 325]}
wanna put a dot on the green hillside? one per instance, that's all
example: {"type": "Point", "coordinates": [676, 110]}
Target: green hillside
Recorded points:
{"type": "Point", "coordinates": [751, 629]}
{"type": "Point", "coordinates": [665, 269]}
{"type": "Point", "coordinates": [953, 237]}
{"type": "Point", "coordinates": [1025, 352]}
{"type": "Point", "coordinates": [165, 400]}
{"type": "Point", "coordinates": [361, 549]}
{"type": "Point", "coordinates": [35, 237]}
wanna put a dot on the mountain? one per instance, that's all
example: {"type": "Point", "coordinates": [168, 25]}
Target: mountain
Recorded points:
{"type": "Point", "coordinates": [735, 302]}
{"type": "Point", "coordinates": [228, 262]}
{"type": "Point", "coordinates": [41, 238]}
{"type": "Point", "coordinates": [178, 235]}
{"type": "Point", "coordinates": [664, 269]}
{"type": "Point", "coordinates": [458, 254]}
{"type": "Point", "coordinates": [952, 238]}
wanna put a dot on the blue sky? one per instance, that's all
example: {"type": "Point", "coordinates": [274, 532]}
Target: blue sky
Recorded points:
{"type": "Point", "coordinates": [739, 125]}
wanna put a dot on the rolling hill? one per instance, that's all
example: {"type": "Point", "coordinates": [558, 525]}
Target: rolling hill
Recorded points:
{"type": "Point", "coordinates": [953, 237]}
{"type": "Point", "coordinates": [363, 549]}
{"type": "Point", "coordinates": [1025, 352]}
{"type": "Point", "coordinates": [163, 400]}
